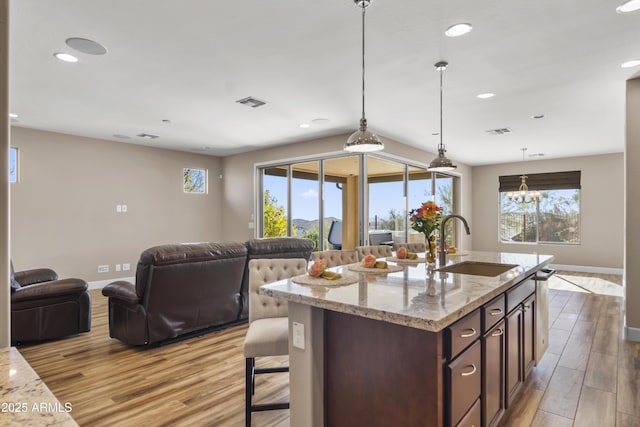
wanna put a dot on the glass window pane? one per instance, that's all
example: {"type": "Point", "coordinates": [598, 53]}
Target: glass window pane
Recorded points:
{"type": "Point", "coordinates": [444, 199]}
{"type": "Point", "coordinates": [419, 191]}
{"type": "Point", "coordinates": [194, 180]}
{"type": "Point", "coordinates": [386, 200]}
{"type": "Point", "coordinates": [554, 218]}
{"type": "Point", "coordinates": [274, 209]}
{"type": "Point", "coordinates": [339, 176]}
{"type": "Point", "coordinates": [305, 201]}
{"type": "Point", "coordinates": [559, 216]}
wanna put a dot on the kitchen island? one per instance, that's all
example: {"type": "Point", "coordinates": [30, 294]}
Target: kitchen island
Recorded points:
{"type": "Point", "coordinates": [410, 347]}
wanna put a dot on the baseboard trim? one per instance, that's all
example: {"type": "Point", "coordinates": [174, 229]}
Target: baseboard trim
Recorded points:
{"type": "Point", "coordinates": [631, 334]}
{"type": "Point", "coordinates": [588, 269]}
{"type": "Point", "coordinates": [99, 284]}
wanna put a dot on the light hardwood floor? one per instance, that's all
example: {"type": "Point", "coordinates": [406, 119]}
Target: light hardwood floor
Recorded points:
{"type": "Point", "coordinates": [589, 376]}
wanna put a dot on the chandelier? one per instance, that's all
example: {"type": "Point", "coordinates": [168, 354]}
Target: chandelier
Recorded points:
{"type": "Point", "coordinates": [523, 195]}
{"type": "Point", "coordinates": [363, 140]}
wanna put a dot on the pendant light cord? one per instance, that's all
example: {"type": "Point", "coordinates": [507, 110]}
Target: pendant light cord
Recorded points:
{"type": "Point", "coordinates": [441, 145]}
{"type": "Point", "coordinates": [363, 12]}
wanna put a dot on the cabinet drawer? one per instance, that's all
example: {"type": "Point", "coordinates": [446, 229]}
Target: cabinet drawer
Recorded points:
{"type": "Point", "coordinates": [492, 312]}
{"type": "Point", "coordinates": [519, 293]}
{"type": "Point", "coordinates": [464, 376]}
{"type": "Point", "coordinates": [472, 419]}
{"type": "Point", "coordinates": [462, 333]}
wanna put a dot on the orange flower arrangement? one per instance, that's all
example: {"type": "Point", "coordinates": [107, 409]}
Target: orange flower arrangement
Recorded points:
{"type": "Point", "coordinates": [426, 218]}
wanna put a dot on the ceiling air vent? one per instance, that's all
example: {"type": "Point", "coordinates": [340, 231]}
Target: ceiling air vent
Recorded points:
{"type": "Point", "coordinates": [251, 102]}
{"type": "Point", "coordinates": [500, 131]}
{"type": "Point", "coordinates": [147, 136]}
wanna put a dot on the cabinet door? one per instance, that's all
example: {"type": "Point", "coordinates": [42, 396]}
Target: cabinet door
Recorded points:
{"type": "Point", "coordinates": [529, 336]}
{"type": "Point", "coordinates": [514, 374]}
{"type": "Point", "coordinates": [493, 364]}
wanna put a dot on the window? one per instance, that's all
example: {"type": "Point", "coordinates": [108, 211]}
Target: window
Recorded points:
{"type": "Point", "coordinates": [553, 218]}
{"type": "Point", "coordinates": [13, 165]}
{"type": "Point", "coordinates": [304, 199]}
{"type": "Point", "coordinates": [195, 181]}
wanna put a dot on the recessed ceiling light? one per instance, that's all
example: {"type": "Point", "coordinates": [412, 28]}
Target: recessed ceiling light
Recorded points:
{"type": "Point", "coordinates": [167, 121]}
{"type": "Point", "coordinates": [304, 125]}
{"type": "Point", "coordinates": [536, 155]}
{"type": "Point", "coordinates": [457, 30]}
{"type": "Point", "coordinates": [628, 6]}
{"type": "Point", "coordinates": [65, 57]}
{"type": "Point", "coordinates": [537, 116]}
{"type": "Point", "coordinates": [147, 135]}
{"type": "Point", "coordinates": [13, 115]}
{"type": "Point", "coordinates": [486, 95]}
{"type": "Point", "coordinates": [86, 46]}
{"type": "Point", "coordinates": [632, 63]}
{"type": "Point", "coordinates": [320, 121]}
{"type": "Point", "coordinates": [120, 136]}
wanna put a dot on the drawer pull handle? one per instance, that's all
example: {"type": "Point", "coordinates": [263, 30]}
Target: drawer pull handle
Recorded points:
{"type": "Point", "coordinates": [469, 334]}
{"type": "Point", "coordinates": [473, 371]}
{"type": "Point", "coordinates": [495, 312]}
{"type": "Point", "coordinates": [497, 333]}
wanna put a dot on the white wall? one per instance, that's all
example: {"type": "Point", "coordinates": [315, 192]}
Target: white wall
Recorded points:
{"type": "Point", "coordinates": [238, 179]}
{"type": "Point", "coordinates": [601, 207]}
{"type": "Point", "coordinates": [63, 209]}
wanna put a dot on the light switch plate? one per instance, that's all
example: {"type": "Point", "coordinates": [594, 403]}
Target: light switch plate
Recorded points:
{"type": "Point", "coordinates": [298, 335]}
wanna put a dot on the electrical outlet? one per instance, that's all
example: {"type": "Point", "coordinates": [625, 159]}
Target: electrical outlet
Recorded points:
{"type": "Point", "coordinates": [126, 267]}
{"type": "Point", "coordinates": [117, 267]}
{"type": "Point", "coordinates": [103, 268]}
{"type": "Point", "coordinates": [118, 208]}
{"type": "Point", "coordinates": [298, 335]}
{"type": "Point", "coordinates": [124, 208]}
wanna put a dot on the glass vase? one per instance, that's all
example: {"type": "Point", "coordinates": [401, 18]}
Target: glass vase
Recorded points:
{"type": "Point", "coordinates": [430, 255]}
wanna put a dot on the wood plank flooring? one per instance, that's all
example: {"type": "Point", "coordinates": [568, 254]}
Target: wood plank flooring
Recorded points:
{"type": "Point", "coordinates": [588, 377]}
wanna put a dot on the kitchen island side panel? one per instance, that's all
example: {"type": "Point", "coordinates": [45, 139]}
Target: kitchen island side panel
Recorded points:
{"type": "Point", "coordinates": [379, 373]}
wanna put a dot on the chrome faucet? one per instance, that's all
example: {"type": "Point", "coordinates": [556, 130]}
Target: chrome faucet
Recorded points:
{"type": "Point", "coordinates": [443, 253]}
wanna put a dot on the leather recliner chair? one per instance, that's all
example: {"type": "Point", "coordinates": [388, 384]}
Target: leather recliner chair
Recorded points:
{"type": "Point", "coordinates": [43, 307]}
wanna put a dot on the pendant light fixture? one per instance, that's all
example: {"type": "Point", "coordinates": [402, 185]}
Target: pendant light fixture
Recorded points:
{"type": "Point", "coordinates": [523, 195]}
{"type": "Point", "coordinates": [441, 163]}
{"type": "Point", "coordinates": [363, 140]}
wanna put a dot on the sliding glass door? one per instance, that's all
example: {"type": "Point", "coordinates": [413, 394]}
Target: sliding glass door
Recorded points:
{"type": "Point", "coordinates": [341, 202]}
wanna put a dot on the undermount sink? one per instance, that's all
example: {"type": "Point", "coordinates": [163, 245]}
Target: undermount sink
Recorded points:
{"type": "Point", "coordinates": [477, 268]}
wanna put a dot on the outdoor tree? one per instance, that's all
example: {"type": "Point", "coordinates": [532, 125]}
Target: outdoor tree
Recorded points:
{"type": "Point", "coordinates": [274, 217]}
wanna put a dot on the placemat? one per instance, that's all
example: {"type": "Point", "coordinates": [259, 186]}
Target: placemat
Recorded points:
{"type": "Point", "coordinates": [406, 260]}
{"type": "Point", "coordinates": [305, 279]}
{"type": "Point", "coordinates": [360, 269]}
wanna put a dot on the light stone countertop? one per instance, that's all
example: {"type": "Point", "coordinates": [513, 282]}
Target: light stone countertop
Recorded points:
{"type": "Point", "coordinates": [25, 400]}
{"type": "Point", "coordinates": [417, 297]}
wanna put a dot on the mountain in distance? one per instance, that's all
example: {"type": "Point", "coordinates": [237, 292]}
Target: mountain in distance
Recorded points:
{"type": "Point", "coordinates": [303, 225]}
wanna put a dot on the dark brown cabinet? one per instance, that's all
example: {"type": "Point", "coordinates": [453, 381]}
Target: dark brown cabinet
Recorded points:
{"type": "Point", "coordinates": [464, 377]}
{"type": "Point", "coordinates": [493, 364]}
{"type": "Point", "coordinates": [520, 336]}
{"type": "Point", "coordinates": [529, 338]}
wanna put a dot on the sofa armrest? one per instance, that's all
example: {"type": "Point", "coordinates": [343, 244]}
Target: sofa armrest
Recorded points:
{"type": "Point", "coordinates": [38, 275]}
{"type": "Point", "coordinates": [49, 289]}
{"type": "Point", "coordinates": [123, 290]}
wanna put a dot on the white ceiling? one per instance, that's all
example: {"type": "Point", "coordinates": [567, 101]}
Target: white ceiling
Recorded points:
{"type": "Point", "coordinates": [189, 61]}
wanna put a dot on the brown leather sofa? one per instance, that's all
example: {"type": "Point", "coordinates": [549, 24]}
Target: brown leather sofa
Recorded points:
{"type": "Point", "coordinates": [43, 307]}
{"type": "Point", "coordinates": [183, 288]}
